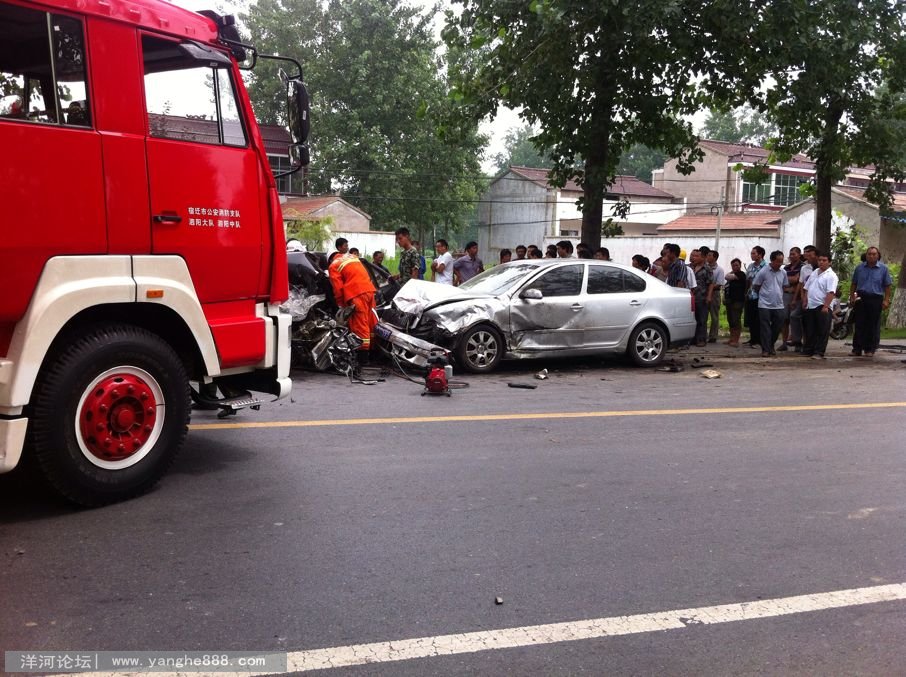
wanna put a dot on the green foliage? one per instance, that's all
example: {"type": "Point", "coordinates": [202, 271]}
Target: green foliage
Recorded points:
{"type": "Point", "coordinates": [739, 125]}
{"type": "Point", "coordinates": [847, 247]}
{"type": "Point", "coordinates": [640, 161]}
{"type": "Point", "coordinates": [520, 150]}
{"type": "Point", "coordinates": [313, 233]}
{"type": "Point", "coordinates": [378, 89]}
{"type": "Point", "coordinates": [816, 74]}
{"type": "Point", "coordinates": [596, 78]}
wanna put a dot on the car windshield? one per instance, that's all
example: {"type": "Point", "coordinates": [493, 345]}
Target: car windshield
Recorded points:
{"type": "Point", "coordinates": [499, 279]}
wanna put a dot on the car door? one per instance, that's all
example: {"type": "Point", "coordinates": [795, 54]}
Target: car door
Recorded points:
{"type": "Point", "coordinates": [556, 321]}
{"type": "Point", "coordinates": [613, 301]}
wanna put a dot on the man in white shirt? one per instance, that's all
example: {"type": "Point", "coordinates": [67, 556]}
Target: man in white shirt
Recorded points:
{"type": "Point", "coordinates": [819, 289]}
{"type": "Point", "coordinates": [443, 264]}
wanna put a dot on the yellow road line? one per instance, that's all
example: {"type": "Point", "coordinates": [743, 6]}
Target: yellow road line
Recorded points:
{"type": "Point", "coordinates": [541, 416]}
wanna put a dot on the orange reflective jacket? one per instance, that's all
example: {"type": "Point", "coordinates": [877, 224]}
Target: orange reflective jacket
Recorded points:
{"type": "Point", "coordinates": [349, 278]}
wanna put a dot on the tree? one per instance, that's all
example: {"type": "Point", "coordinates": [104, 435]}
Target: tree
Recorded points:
{"type": "Point", "coordinates": [739, 125]}
{"type": "Point", "coordinates": [640, 161]}
{"type": "Point", "coordinates": [822, 62]}
{"type": "Point", "coordinates": [520, 150]}
{"type": "Point", "coordinates": [377, 85]}
{"type": "Point", "coordinates": [594, 77]}
{"type": "Point", "coordinates": [312, 232]}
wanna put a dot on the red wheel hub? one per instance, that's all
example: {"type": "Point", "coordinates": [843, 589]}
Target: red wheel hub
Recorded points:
{"type": "Point", "coordinates": [117, 417]}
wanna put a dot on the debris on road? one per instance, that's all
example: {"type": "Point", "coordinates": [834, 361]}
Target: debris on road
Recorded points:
{"type": "Point", "coordinates": [526, 386]}
{"type": "Point", "coordinates": [710, 373]}
{"type": "Point", "coordinates": [541, 375]}
{"type": "Point", "coordinates": [498, 601]}
{"type": "Point", "coordinates": [671, 368]}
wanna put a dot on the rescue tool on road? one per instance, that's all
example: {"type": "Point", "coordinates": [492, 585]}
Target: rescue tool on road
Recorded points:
{"type": "Point", "coordinates": [143, 245]}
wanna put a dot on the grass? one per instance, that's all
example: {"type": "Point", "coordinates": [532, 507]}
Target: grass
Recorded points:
{"type": "Point", "coordinates": [893, 334]}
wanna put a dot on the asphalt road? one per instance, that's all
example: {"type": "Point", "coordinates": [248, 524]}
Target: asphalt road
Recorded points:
{"type": "Point", "coordinates": [603, 493]}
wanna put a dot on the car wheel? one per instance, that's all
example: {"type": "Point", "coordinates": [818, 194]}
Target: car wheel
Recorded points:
{"type": "Point", "coordinates": [109, 414]}
{"type": "Point", "coordinates": [480, 349]}
{"type": "Point", "coordinates": [647, 344]}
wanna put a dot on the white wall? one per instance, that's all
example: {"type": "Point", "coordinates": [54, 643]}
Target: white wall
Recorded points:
{"type": "Point", "coordinates": [367, 243]}
{"type": "Point", "coordinates": [622, 249]}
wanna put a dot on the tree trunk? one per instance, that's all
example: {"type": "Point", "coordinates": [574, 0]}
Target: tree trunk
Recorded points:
{"type": "Point", "coordinates": [826, 167]}
{"type": "Point", "coordinates": [592, 212]}
{"type": "Point", "coordinates": [896, 316]}
{"type": "Point", "coordinates": [597, 169]}
{"type": "Point", "coordinates": [823, 183]}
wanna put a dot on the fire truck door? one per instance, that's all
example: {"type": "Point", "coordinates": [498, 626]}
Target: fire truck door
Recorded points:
{"type": "Point", "coordinates": [203, 174]}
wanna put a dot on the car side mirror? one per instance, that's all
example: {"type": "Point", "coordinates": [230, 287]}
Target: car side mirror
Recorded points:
{"type": "Point", "coordinates": [532, 295]}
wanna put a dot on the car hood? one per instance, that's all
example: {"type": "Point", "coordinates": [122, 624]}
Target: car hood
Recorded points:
{"type": "Point", "coordinates": [417, 296]}
{"type": "Point", "coordinates": [450, 307]}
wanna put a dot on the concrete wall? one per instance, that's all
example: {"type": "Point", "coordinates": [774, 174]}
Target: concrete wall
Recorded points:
{"type": "Point", "coordinates": [518, 212]}
{"type": "Point", "coordinates": [893, 241]}
{"type": "Point", "coordinates": [367, 243]}
{"type": "Point", "coordinates": [702, 187]}
{"type": "Point", "coordinates": [798, 222]}
{"type": "Point", "coordinates": [345, 219]}
{"type": "Point", "coordinates": [623, 248]}
{"type": "Point", "coordinates": [514, 212]}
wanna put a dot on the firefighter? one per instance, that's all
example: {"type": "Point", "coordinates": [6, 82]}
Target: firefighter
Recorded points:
{"type": "Point", "coordinates": [352, 286]}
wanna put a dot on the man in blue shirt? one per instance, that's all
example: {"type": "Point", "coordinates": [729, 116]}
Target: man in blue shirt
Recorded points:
{"type": "Point", "coordinates": [769, 283]}
{"type": "Point", "coordinates": [870, 291]}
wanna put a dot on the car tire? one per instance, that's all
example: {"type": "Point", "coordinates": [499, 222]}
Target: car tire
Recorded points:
{"type": "Point", "coordinates": [480, 349]}
{"type": "Point", "coordinates": [648, 344]}
{"type": "Point", "coordinates": [109, 414]}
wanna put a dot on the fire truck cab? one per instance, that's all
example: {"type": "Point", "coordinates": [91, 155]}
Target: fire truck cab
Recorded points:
{"type": "Point", "coordinates": [142, 242]}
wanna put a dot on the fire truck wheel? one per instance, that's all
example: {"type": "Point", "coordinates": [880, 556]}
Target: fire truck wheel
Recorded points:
{"type": "Point", "coordinates": [109, 414]}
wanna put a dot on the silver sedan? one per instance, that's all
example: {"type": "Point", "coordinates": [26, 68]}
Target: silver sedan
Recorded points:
{"type": "Point", "coordinates": [548, 307]}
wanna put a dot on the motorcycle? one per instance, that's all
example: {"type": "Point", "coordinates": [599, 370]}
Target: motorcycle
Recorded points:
{"type": "Point", "coordinates": [843, 322]}
{"type": "Point", "coordinates": [320, 336]}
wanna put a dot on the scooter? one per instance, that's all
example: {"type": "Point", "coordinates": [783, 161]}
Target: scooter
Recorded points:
{"type": "Point", "coordinates": [843, 322]}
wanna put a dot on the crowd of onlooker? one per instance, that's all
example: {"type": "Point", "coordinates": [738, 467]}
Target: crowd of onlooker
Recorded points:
{"type": "Point", "coordinates": [791, 299]}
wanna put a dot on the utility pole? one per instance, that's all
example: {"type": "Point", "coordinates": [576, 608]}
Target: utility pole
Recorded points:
{"type": "Point", "coordinates": [720, 211]}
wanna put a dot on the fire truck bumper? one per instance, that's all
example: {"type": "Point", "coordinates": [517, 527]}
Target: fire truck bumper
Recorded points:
{"type": "Point", "coordinates": [12, 439]}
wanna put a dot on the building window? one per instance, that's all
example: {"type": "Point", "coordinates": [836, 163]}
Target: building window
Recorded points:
{"type": "Point", "coordinates": [756, 193]}
{"type": "Point", "coordinates": [289, 183]}
{"type": "Point", "coordinates": [786, 189]}
{"type": "Point", "coordinates": [781, 189]}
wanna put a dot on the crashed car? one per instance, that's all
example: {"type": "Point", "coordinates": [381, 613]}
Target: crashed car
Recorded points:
{"type": "Point", "coordinates": [548, 307]}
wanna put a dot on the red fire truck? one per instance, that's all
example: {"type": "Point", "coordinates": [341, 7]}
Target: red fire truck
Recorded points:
{"type": "Point", "coordinates": [142, 244]}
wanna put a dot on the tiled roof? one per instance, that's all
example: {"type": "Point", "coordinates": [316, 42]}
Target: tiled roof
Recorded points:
{"type": "Point", "coordinates": [276, 139]}
{"type": "Point", "coordinates": [302, 206]}
{"type": "Point", "coordinates": [623, 185]}
{"type": "Point", "coordinates": [744, 152]}
{"type": "Point", "coordinates": [296, 207]}
{"type": "Point", "coordinates": [732, 221]}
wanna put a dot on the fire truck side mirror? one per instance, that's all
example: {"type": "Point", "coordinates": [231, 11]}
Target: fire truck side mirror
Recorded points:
{"type": "Point", "coordinates": [297, 109]}
{"type": "Point", "coordinates": [299, 156]}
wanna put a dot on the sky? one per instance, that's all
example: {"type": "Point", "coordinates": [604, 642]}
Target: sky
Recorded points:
{"type": "Point", "coordinates": [495, 129]}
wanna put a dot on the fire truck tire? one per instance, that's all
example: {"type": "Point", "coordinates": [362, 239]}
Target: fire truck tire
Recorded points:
{"type": "Point", "coordinates": [109, 414]}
